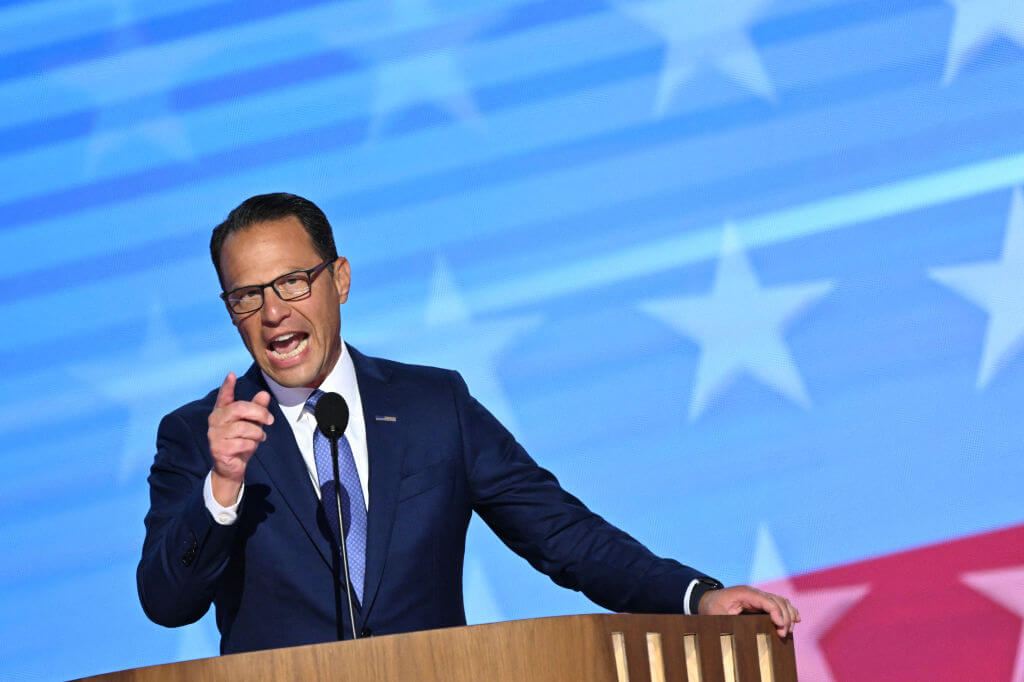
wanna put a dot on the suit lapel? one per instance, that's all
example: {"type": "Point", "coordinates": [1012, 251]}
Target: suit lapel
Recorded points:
{"type": "Point", "coordinates": [280, 458]}
{"type": "Point", "coordinates": [385, 458]}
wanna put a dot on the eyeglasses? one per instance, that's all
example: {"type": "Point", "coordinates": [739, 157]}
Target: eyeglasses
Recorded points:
{"type": "Point", "coordinates": [288, 287]}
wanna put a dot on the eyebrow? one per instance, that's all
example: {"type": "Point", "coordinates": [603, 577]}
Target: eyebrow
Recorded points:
{"type": "Point", "coordinates": [297, 268]}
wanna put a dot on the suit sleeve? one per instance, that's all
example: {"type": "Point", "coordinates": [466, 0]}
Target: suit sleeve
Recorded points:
{"type": "Point", "coordinates": [531, 513]}
{"type": "Point", "coordinates": [185, 551]}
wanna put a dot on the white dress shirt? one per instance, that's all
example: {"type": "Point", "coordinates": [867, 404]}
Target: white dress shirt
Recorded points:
{"type": "Point", "coordinates": [292, 401]}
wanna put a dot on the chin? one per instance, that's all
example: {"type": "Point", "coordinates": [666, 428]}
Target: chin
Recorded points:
{"type": "Point", "coordinates": [290, 378]}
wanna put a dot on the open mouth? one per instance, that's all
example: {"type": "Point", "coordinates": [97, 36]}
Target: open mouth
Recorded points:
{"type": "Point", "coordinates": [287, 346]}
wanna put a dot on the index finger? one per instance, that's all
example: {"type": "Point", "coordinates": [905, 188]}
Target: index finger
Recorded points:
{"type": "Point", "coordinates": [249, 411]}
{"type": "Point", "coordinates": [226, 393]}
{"type": "Point", "coordinates": [762, 601]}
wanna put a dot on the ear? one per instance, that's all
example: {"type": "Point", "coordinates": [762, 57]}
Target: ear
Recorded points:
{"type": "Point", "coordinates": [342, 276]}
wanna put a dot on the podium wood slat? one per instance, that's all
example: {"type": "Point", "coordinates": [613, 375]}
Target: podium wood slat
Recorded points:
{"type": "Point", "coordinates": [655, 657]}
{"type": "Point", "coordinates": [747, 663]}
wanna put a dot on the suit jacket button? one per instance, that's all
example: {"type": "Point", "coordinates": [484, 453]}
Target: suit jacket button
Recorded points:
{"type": "Point", "coordinates": [366, 632]}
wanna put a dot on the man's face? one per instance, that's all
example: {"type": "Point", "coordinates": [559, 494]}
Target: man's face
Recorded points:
{"type": "Point", "coordinates": [297, 342]}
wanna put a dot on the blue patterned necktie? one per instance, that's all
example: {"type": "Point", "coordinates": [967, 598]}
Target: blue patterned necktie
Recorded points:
{"type": "Point", "coordinates": [353, 508]}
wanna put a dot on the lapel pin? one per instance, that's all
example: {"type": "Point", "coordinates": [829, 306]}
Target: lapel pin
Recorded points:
{"type": "Point", "coordinates": [386, 419]}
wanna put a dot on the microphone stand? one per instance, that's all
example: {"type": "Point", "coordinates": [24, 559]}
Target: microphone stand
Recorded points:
{"type": "Point", "coordinates": [333, 436]}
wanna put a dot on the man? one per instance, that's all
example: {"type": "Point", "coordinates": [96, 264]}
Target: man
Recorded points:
{"type": "Point", "coordinates": [236, 517]}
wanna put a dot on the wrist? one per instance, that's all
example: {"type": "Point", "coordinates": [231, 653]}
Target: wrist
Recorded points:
{"type": "Point", "coordinates": [225, 490]}
{"type": "Point", "coordinates": [701, 590]}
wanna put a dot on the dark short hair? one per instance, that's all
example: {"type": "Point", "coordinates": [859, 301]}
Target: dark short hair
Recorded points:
{"type": "Point", "coordinates": [265, 207]}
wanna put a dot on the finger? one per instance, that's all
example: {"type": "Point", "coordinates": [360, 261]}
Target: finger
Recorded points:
{"type": "Point", "coordinates": [263, 400]}
{"type": "Point", "coordinates": [765, 602]}
{"type": "Point", "coordinates": [243, 409]}
{"type": "Point", "coordinates": [794, 614]}
{"type": "Point", "coordinates": [226, 393]}
{"type": "Point", "coordinates": [235, 449]}
{"type": "Point", "coordinates": [246, 430]}
{"type": "Point", "coordinates": [787, 616]}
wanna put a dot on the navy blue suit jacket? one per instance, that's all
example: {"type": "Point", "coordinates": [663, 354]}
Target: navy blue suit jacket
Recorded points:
{"type": "Point", "coordinates": [441, 458]}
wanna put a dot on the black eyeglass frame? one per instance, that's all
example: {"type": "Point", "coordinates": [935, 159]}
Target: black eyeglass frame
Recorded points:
{"type": "Point", "coordinates": [311, 274]}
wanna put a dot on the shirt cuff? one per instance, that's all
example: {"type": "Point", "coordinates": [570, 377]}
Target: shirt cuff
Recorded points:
{"type": "Point", "coordinates": [686, 597]}
{"type": "Point", "coordinates": [695, 592]}
{"type": "Point", "coordinates": [225, 516]}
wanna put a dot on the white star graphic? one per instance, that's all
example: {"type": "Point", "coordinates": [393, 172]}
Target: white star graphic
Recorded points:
{"type": "Point", "coordinates": [977, 23]}
{"type": "Point", "coordinates": [1004, 586]}
{"type": "Point", "coordinates": [129, 89]}
{"type": "Point", "coordinates": [739, 327]}
{"type": "Point", "coordinates": [154, 383]}
{"type": "Point", "coordinates": [430, 73]}
{"type": "Point", "coordinates": [704, 31]}
{"type": "Point", "coordinates": [996, 287]}
{"type": "Point", "coordinates": [820, 609]}
{"type": "Point", "coordinates": [450, 337]}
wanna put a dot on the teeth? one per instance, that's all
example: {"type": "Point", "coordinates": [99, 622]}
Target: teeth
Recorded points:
{"type": "Point", "coordinates": [283, 337]}
{"type": "Point", "coordinates": [292, 353]}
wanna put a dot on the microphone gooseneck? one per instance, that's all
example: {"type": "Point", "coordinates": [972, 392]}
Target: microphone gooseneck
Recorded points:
{"type": "Point", "coordinates": [331, 413]}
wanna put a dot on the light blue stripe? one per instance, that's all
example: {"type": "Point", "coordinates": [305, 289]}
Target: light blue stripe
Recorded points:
{"type": "Point", "coordinates": [30, 25]}
{"type": "Point", "coordinates": [342, 25]}
{"type": "Point", "coordinates": [809, 219]}
{"type": "Point", "coordinates": [289, 110]}
{"type": "Point", "coordinates": [119, 299]}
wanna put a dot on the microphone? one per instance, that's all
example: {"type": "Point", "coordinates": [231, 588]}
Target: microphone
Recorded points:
{"type": "Point", "coordinates": [331, 414]}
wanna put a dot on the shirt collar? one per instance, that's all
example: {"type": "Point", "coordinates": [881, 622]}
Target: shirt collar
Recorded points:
{"type": "Point", "coordinates": [341, 379]}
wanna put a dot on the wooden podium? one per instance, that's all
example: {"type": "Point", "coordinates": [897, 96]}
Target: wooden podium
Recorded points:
{"type": "Point", "coordinates": [597, 648]}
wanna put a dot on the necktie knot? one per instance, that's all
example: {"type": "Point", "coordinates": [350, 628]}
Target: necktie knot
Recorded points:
{"type": "Point", "coordinates": [312, 400]}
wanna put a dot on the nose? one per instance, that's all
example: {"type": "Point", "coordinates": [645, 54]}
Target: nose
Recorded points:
{"type": "Point", "coordinates": [274, 310]}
